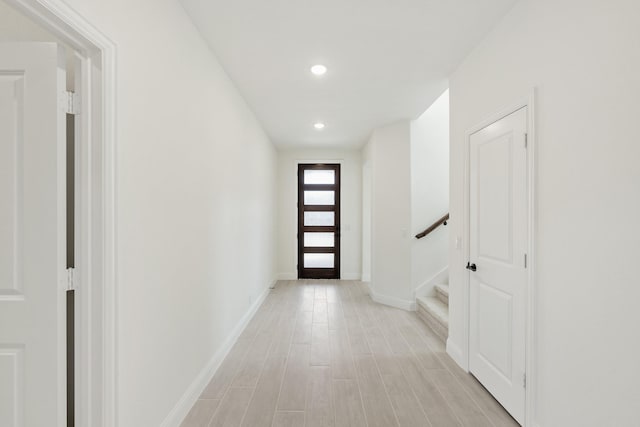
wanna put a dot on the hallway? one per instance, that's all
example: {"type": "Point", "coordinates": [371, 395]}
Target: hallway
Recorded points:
{"type": "Point", "coordinates": [321, 353]}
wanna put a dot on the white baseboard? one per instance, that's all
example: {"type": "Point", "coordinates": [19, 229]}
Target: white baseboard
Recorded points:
{"type": "Point", "coordinates": [392, 301]}
{"type": "Point", "coordinates": [190, 396]}
{"type": "Point", "coordinates": [456, 354]}
{"type": "Point", "coordinates": [426, 288]}
{"type": "Point", "coordinates": [294, 276]}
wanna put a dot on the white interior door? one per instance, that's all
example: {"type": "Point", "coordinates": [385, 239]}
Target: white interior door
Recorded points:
{"type": "Point", "coordinates": [32, 235]}
{"type": "Point", "coordinates": [498, 245]}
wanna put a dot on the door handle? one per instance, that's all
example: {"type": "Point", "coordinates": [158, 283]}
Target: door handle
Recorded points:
{"type": "Point", "coordinates": [471, 267]}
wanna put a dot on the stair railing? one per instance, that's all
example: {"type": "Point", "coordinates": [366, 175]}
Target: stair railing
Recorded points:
{"type": "Point", "coordinates": [438, 223]}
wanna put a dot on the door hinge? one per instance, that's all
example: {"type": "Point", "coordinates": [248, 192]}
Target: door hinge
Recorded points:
{"type": "Point", "coordinates": [70, 102]}
{"type": "Point", "coordinates": [525, 260]}
{"type": "Point", "coordinates": [526, 140]}
{"type": "Point", "coordinates": [524, 380]}
{"type": "Point", "coordinates": [71, 284]}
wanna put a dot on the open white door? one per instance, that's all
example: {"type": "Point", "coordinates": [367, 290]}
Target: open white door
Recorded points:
{"type": "Point", "coordinates": [498, 245]}
{"type": "Point", "coordinates": [32, 235]}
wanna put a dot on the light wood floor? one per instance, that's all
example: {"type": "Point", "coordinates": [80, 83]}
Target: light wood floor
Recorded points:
{"type": "Point", "coordinates": [321, 353]}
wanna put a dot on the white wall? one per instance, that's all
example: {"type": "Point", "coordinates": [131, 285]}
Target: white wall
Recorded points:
{"type": "Point", "coordinates": [350, 209]}
{"type": "Point", "coordinates": [584, 58]}
{"type": "Point", "coordinates": [366, 214]}
{"type": "Point", "coordinates": [387, 157]}
{"type": "Point", "coordinates": [196, 200]}
{"type": "Point", "coordinates": [429, 192]}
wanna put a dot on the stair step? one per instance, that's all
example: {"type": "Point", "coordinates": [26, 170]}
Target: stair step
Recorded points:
{"type": "Point", "coordinates": [435, 314]}
{"type": "Point", "coordinates": [442, 292]}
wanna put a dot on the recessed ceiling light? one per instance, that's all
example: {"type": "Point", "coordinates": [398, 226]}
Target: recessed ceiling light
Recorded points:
{"type": "Point", "coordinates": [319, 70]}
{"type": "Point", "coordinates": [319, 126]}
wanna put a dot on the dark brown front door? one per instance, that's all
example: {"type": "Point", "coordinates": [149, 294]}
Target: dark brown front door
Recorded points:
{"type": "Point", "coordinates": [318, 221]}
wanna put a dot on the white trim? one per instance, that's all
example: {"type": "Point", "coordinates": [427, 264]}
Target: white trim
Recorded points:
{"type": "Point", "coordinates": [294, 276]}
{"type": "Point", "coordinates": [461, 356]}
{"type": "Point", "coordinates": [392, 301]}
{"type": "Point", "coordinates": [438, 278]}
{"type": "Point", "coordinates": [287, 276]}
{"type": "Point", "coordinates": [100, 228]}
{"type": "Point", "coordinates": [531, 342]}
{"type": "Point", "coordinates": [190, 396]}
{"type": "Point", "coordinates": [455, 352]}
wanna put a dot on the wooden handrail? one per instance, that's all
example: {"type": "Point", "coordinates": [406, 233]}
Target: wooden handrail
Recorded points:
{"type": "Point", "coordinates": [435, 225]}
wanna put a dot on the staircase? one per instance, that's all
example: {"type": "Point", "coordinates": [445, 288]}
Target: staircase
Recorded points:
{"type": "Point", "coordinates": [434, 310]}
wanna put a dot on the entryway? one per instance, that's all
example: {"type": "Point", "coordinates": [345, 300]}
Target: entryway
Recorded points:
{"type": "Point", "coordinates": [318, 221]}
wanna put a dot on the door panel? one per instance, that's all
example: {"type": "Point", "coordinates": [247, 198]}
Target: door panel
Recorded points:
{"type": "Point", "coordinates": [319, 261]}
{"type": "Point", "coordinates": [495, 318]}
{"type": "Point", "coordinates": [494, 186]}
{"type": "Point", "coordinates": [319, 240]}
{"type": "Point", "coordinates": [319, 198]}
{"type": "Point", "coordinates": [319, 221]}
{"type": "Point", "coordinates": [498, 244]}
{"type": "Point", "coordinates": [32, 236]}
{"type": "Point", "coordinates": [320, 176]}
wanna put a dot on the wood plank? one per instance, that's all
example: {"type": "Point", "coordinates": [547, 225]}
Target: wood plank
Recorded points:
{"type": "Point", "coordinates": [319, 409]}
{"type": "Point", "coordinates": [283, 333]}
{"type": "Point", "coordinates": [320, 313]}
{"type": "Point", "coordinates": [348, 404]}
{"type": "Point", "coordinates": [288, 419]}
{"type": "Point", "coordinates": [335, 316]}
{"type": "Point", "coordinates": [232, 408]}
{"type": "Point", "coordinates": [397, 343]}
{"type": "Point", "coordinates": [252, 364]}
{"type": "Point", "coordinates": [321, 292]}
{"type": "Point", "coordinates": [406, 405]}
{"type": "Point", "coordinates": [263, 403]}
{"type": "Point", "coordinates": [464, 407]}
{"type": "Point", "coordinates": [434, 405]}
{"type": "Point", "coordinates": [319, 345]}
{"type": "Point", "coordinates": [385, 359]}
{"type": "Point", "coordinates": [294, 384]}
{"type": "Point", "coordinates": [427, 357]}
{"type": "Point", "coordinates": [302, 332]}
{"type": "Point", "coordinates": [201, 413]}
{"type": "Point", "coordinates": [227, 371]}
{"type": "Point", "coordinates": [377, 406]}
{"type": "Point", "coordinates": [358, 339]}
{"type": "Point", "coordinates": [341, 358]}
{"type": "Point", "coordinates": [489, 405]}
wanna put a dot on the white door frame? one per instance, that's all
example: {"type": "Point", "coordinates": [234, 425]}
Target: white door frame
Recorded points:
{"type": "Point", "coordinates": [96, 208]}
{"type": "Point", "coordinates": [530, 339]}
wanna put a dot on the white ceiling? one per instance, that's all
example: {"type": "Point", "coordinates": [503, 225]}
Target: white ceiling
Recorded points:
{"type": "Point", "coordinates": [388, 60]}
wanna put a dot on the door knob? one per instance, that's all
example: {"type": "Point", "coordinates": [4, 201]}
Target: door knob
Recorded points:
{"type": "Point", "coordinates": [471, 267]}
